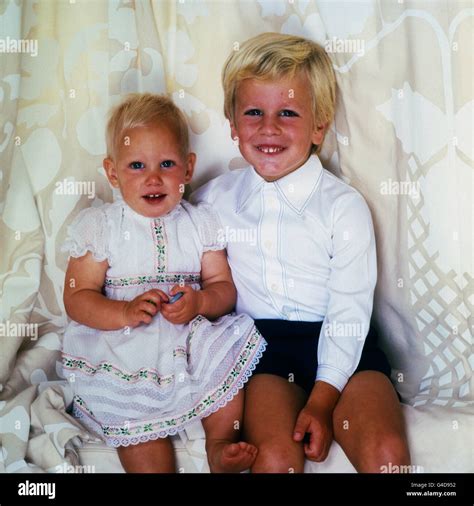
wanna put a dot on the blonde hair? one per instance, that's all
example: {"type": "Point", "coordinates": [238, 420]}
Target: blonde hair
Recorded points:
{"type": "Point", "coordinates": [271, 56]}
{"type": "Point", "coordinates": [142, 109]}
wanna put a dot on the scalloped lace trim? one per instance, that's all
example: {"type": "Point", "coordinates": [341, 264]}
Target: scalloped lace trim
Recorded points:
{"type": "Point", "coordinates": [77, 251]}
{"type": "Point", "coordinates": [216, 247]}
{"type": "Point", "coordinates": [115, 441]}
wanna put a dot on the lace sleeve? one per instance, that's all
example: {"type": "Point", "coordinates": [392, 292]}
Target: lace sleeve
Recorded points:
{"type": "Point", "coordinates": [210, 229]}
{"type": "Point", "coordinates": [88, 232]}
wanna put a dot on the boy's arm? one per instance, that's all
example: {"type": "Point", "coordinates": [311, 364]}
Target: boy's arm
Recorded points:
{"type": "Point", "coordinates": [316, 420]}
{"type": "Point", "coordinates": [345, 327]}
{"type": "Point", "coordinates": [352, 279]}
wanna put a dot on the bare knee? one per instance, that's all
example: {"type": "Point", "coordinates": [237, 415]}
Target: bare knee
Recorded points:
{"type": "Point", "coordinates": [155, 456]}
{"type": "Point", "coordinates": [387, 453]}
{"type": "Point", "coordinates": [279, 458]}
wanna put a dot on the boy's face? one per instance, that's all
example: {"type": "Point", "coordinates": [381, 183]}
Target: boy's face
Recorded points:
{"type": "Point", "coordinates": [150, 170]}
{"type": "Point", "coordinates": [274, 123]}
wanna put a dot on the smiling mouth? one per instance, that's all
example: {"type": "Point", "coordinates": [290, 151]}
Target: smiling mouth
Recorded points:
{"type": "Point", "coordinates": [154, 197]}
{"type": "Point", "coordinates": [270, 149]}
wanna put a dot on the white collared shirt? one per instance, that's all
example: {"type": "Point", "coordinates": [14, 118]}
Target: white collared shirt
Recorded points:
{"type": "Point", "coordinates": [301, 248]}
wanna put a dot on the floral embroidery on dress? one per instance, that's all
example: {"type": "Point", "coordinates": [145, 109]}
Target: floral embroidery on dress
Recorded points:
{"type": "Point", "coordinates": [172, 279]}
{"type": "Point", "coordinates": [223, 394]}
{"type": "Point", "coordinates": [107, 367]}
{"type": "Point", "coordinates": [160, 247]}
{"type": "Point", "coordinates": [153, 381]}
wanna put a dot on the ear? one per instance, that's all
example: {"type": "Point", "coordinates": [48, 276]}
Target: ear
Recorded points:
{"type": "Point", "coordinates": [111, 172]}
{"type": "Point", "coordinates": [233, 131]}
{"type": "Point", "coordinates": [190, 167]}
{"type": "Point", "coordinates": [318, 133]}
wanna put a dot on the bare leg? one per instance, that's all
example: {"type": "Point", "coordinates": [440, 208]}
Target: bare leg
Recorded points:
{"type": "Point", "coordinates": [224, 453]}
{"type": "Point", "coordinates": [368, 424]}
{"type": "Point", "coordinates": [272, 405]}
{"type": "Point", "coordinates": [150, 457]}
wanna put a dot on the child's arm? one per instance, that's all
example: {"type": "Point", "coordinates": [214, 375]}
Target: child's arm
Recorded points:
{"type": "Point", "coordinates": [351, 285]}
{"type": "Point", "coordinates": [217, 297]}
{"type": "Point", "coordinates": [85, 303]}
{"type": "Point", "coordinates": [316, 418]}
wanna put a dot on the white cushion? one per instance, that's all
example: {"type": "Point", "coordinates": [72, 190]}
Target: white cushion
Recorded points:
{"type": "Point", "coordinates": [440, 441]}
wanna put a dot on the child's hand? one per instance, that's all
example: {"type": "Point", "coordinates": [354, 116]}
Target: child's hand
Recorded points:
{"type": "Point", "coordinates": [317, 421]}
{"type": "Point", "coordinates": [184, 309]}
{"type": "Point", "coordinates": [142, 308]}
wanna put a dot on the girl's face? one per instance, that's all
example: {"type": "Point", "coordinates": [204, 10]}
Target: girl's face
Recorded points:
{"type": "Point", "coordinates": [150, 170]}
{"type": "Point", "coordinates": [273, 121]}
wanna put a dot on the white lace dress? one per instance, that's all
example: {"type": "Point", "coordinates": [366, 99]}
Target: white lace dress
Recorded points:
{"type": "Point", "coordinates": [134, 385]}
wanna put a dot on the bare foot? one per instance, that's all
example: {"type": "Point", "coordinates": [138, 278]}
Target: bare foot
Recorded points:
{"type": "Point", "coordinates": [226, 457]}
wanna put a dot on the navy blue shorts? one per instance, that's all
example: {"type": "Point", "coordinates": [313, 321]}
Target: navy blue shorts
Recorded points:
{"type": "Point", "coordinates": [292, 351]}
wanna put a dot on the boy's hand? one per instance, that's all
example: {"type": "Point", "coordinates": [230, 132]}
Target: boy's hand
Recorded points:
{"type": "Point", "coordinates": [317, 421]}
{"type": "Point", "coordinates": [142, 308]}
{"type": "Point", "coordinates": [184, 309]}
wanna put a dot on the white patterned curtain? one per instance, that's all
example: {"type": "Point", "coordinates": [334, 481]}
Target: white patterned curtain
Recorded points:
{"type": "Point", "coordinates": [402, 136]}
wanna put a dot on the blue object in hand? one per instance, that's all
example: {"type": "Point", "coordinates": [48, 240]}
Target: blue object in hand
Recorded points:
{"type": "Point", "coordinates": [175, 297]}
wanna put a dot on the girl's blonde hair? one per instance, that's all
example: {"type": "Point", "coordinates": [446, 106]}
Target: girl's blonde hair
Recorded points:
{"type": "Point", "coordinates": [142, 109]}
{"type": "Point", "coordinates": [271, 56]}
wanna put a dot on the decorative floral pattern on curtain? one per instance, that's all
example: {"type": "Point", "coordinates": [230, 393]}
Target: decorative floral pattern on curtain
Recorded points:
{"type": "Point", "coordinates": [402, 136]}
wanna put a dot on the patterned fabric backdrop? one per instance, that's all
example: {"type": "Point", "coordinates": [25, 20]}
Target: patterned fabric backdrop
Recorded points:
{"type": "Point", "coordinates": [402, 136]}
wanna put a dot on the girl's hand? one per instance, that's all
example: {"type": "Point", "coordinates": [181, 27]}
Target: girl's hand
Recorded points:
{"type": "Point", "coordinates": [142, 308]}
{"type": "Point", "coordinates": [317, 421]}
{"type": "Point", "coordinates": [184, 309]}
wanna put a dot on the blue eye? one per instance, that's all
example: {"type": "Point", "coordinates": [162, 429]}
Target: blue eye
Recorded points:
{"type": "Point", "coordinates": [288, 113]}
{"type": "Point", "coordinates": [137, 165]}
{"type": "Point", "coordinates": [166, 164]}
{"type": "Point", "coordinates": [253, 112]}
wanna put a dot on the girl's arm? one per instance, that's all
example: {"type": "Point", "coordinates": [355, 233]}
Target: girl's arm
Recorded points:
{"type": "Point", "coordinates": [218, 294]}
{"type": "Point", "coordinates": [86, 304]}
{"type": "Point", "coordinates": [217, 297]}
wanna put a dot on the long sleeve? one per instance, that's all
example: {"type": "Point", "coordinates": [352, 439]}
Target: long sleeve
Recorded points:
{"type": "Point", "coordinates": [353, 274]}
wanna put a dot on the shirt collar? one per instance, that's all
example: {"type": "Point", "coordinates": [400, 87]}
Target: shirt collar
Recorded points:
{"type": "Point", "coordinates": [249, 187]}
{"type": "Point", "coordinates": [295, 188]}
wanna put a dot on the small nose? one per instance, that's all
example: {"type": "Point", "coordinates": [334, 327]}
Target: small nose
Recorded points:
{"type": "Point", "coordinates": [154, 177]}
{"type": "Point", "coordinates": [269, 125]}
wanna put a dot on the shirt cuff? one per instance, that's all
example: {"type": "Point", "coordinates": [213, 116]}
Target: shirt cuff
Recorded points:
{"type": "Point", "coordinates": [335, 377]}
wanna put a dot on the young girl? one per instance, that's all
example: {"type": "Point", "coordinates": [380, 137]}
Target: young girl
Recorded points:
{"type": "Point", "coordinates": [148, 350]}
{"type": "Point", "coordinates": [309, 280]}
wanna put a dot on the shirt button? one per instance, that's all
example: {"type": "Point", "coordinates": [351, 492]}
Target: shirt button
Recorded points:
{"type": "Point", "coordinates": [274, 287]}
{"type": "Point", "coordinates": [286, 311]}
{"type": "Point", "coordinates": [268, 244]}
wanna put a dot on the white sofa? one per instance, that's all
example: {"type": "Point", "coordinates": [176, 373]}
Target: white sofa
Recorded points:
{"type": "Point", "coordinates": [441, 441]}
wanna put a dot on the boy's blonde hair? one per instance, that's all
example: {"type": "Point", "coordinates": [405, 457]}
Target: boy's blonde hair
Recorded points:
{"type": "Point", "coordinates": [270, 56]}
{"type": "Point", "coordinates": [142, 109]}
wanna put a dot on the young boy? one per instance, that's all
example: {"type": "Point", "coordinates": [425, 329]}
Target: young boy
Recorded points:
{"type": "Point", "coordinates": [308, 276]}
